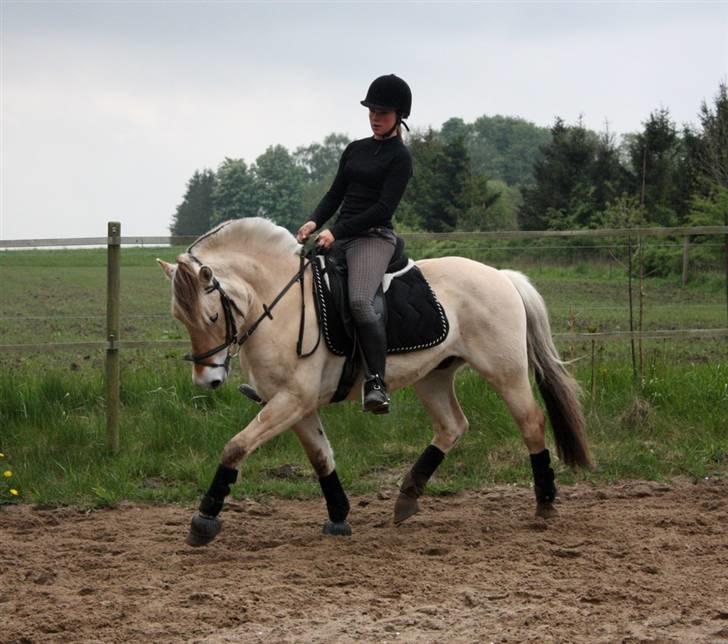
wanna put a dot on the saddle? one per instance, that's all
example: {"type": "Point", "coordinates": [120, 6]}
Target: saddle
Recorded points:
{"type": "Point", "coordinates": [415, 320]}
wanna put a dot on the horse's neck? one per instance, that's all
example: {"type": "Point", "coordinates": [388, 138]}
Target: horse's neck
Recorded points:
{"type": "Point", "coordinates": [263, 274]}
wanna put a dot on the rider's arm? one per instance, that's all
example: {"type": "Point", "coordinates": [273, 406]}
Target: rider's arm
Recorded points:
{"type": "Point", "coordinates": [333, 198]}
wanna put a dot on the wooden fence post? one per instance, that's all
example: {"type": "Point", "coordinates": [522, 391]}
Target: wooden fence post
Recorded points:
{"type": "Point", "coordinates": [112, 335]}
{"type": "Point", "coordinates": [725, 246]}
{"type": "Point", "coordinates": [686, 251]}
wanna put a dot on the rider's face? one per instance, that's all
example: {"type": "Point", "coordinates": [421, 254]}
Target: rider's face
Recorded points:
{"type": "Point", "coordinates": [381, 122]}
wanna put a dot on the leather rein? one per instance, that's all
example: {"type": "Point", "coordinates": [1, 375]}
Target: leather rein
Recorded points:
{"type": "Point", "coordinates": [231, 330]}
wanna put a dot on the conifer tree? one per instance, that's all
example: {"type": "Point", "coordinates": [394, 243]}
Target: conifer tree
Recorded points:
{"type": "Point", "coordinates": [654, 154]}
{"type": "Point", "coordinates": [194, 214]}
{"type": "Point", "coordinates": [563, 195]}
{"type": "Point", "coordinates": [713, 155]}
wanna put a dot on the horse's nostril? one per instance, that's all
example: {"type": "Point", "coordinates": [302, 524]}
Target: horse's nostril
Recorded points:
{"type": "Point", "coordinates": [215, 383]}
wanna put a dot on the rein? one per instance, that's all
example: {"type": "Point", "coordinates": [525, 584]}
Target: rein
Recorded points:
{"type": "Point", "coordinates": [231, 331]}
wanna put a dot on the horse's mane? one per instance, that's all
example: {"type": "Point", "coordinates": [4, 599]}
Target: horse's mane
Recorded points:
{"type": "Point", "coordinates": [248, 233]}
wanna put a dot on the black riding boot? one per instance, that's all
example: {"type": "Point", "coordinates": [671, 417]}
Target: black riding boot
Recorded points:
{"type": "Point", "coordinates": [373, 345]}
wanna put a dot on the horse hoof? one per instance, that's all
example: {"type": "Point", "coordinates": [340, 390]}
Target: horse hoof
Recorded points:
{"type": "Point", "coordinates": [337, 528]}
{"type": "Point", "coordinates": [546, 510]}
{"type": "Point", "coordinates": [202, 530]}
{"type": "Point", "coordinates": [404, 508]}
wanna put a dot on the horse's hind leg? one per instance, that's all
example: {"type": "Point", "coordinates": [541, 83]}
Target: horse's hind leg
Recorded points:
{"type": "Point", "coordinates": [516, 392]}
{"type": "Point", "coordinates": [437, 393]}
{"type": "Point", "coordinates": [318, 449]}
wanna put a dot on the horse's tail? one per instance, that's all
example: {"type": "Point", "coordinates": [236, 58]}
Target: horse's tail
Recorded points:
{"type": "Point", "coordinates": [558, 388]}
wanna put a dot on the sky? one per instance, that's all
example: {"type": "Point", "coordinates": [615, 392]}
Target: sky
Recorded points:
{"type": "Point", "coordinates": [108, 108]}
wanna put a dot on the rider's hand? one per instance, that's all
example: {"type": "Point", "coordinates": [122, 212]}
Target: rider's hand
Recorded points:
{"type": "Point", "coordinates": [325, 239]}
{"type": "Point", "coordinates": [305, 230]}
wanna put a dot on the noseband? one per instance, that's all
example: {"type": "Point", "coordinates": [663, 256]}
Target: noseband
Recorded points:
{"type": "Point", "coordinates": [231, 330]}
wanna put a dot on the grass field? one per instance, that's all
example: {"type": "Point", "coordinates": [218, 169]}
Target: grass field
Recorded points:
{"type": "Point", "coordinates": [52, 414]}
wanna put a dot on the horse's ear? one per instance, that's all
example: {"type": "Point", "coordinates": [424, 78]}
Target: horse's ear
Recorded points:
{"type": "Point", "coordinates": [205, 275]}
{"type": "Point", "coordinates": [167, 268]}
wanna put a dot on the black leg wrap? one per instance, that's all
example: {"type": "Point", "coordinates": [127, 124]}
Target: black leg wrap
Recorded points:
{"type": "Point", "coordinates": [210, 507]}
{"type": "Point", "coordinates": [212, 502]}
{"type": "Point", "coordinates": [543, 477]}
{"type": "Point", "coordinates": [336, 502]}
{"type": "Point", "coordinates": [416, 480]}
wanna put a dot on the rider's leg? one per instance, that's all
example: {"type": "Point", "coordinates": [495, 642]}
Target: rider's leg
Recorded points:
{"type": "Point", "coordinates": [372, 337]}
{"type": "Point", "coordinates": [367, 259]}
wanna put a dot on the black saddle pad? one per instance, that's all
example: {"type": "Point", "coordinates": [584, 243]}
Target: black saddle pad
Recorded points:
{"type": "Point", "coordinates": [415, 319]}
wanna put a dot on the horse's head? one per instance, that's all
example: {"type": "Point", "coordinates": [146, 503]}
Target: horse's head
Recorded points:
{"type": "Point", "coordinates": [212, 314]}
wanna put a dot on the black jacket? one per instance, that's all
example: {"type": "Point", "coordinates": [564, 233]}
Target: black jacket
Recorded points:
{"type": "Point", "coordinates": [369, 184]}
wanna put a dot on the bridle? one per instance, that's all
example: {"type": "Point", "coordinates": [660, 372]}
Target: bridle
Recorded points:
{"type": "Point", "coordinates": [231, 330]}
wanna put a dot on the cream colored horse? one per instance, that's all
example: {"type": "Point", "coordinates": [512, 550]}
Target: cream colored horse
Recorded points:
{"type": "Point", "coordinates": [498, 326]}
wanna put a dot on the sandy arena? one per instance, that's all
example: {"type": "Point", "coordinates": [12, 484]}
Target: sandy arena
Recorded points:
{"type": "Point", "coordinates": [636, 562]}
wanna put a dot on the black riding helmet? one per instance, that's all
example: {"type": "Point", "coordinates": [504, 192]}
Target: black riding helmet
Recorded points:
{"type": "Point", "coordinates": [389, 93]}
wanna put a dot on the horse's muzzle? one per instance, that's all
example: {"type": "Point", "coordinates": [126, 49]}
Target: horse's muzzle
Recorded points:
{"type": "Point", "coordinates": [209, 377]}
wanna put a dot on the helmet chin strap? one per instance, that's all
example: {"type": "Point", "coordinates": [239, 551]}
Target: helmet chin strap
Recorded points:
{"type": "Point", "coordinates": [398, 122]}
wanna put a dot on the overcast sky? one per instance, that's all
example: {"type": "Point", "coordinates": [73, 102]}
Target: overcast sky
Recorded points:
{"type": "Point", "coordinates": [107, 108]}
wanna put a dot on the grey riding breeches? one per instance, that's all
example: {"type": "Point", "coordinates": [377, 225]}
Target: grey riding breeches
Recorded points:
{"type": "Point", "coordinates": [367, 258]}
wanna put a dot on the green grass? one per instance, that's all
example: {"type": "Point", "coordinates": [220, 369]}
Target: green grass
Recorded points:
{"type": "Point", "coordinates": [52, 413]}
{"type": "Point", "coordinates": [53, 432]}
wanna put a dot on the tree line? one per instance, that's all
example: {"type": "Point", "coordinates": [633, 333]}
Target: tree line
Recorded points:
{"type": "Point", "coordinates": [498, 173]}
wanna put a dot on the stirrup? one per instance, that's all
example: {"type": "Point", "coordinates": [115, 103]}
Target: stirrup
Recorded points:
{"type": "Point", "coordinates": [249, 392]}
{"type": "Point", "coordinates": [374, 395]}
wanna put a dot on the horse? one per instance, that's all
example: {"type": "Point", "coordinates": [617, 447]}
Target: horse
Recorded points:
{"type": "Point", "coordinates": [233, 276]}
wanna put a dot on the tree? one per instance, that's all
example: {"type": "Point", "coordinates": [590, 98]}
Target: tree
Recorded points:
{"type": "Point", "coordinates": [235, 194]}
{"type": "Point", "coordinates": [279, 185]}
{"type": "Point", "coordinates": [702, 167]}
{"type": "Point", "coordinates": [320, 161]}
{"type": "Point", "coordinates": [689, 177]}
{"type": "Point", "coordinates": [503, 209]}
{"type": "Point", "coordinates": [480, 201]}
{"type": "Point", "coordinates": [194, 214]}
{"type": "Point", "coordinates": [444, 193]}
{"type": "Point", "coordinates": [564, 193]}
{"type": "Point", "coordinates": [708, 210]}
{"type": "Point", "coordinates": [455, 128]}
{"type": "Point", "coordinates": [624, 212]}
{"type": "Point", "coordinates": [654, 154]}
{"type": "Point", "coordinates": [431, 199]}
{"type": "Point", "coordinates": [506, 148]}
{"type": "Point", "coordinates": [713, 155]}
{"type": "Point", "coordinates": [609, 176]}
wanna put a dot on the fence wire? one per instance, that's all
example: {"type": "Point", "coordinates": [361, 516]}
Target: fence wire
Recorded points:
{"type": "Point", "coordinates": [55, 299]}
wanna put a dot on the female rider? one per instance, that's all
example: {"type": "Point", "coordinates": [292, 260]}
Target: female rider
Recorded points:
{"type": "Point", "coordinates": [372, 176]}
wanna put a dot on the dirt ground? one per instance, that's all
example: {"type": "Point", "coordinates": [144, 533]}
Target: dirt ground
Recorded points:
{"type": "Point", "coordinates": [636, 562]}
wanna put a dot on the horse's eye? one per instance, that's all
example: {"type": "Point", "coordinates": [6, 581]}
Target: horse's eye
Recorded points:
{"type": "Point", "coordinates": [213, 318]}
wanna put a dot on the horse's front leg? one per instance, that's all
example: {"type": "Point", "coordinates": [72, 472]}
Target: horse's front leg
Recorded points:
{"type": "Point", "coordinates": [282, 411]}
{"type": "Point", "coordinates": [318, 449]}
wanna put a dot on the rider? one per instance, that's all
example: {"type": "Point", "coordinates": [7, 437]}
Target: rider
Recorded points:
{"type": "Point", "coordinates": [372, 176]}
